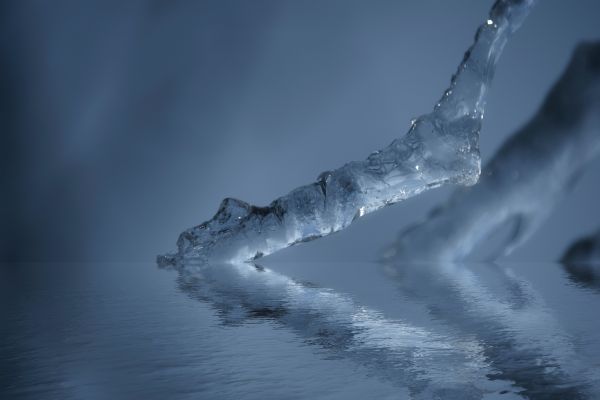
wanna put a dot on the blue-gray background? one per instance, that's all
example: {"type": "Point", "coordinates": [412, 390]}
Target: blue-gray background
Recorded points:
{"type": "Point", "coordinates": [124, 122]}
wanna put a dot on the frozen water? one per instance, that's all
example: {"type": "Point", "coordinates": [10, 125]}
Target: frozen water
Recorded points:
{"type": "Point", "coordinates": [528, 176]}
{"type": "Point", "coordinates": [440, 147]}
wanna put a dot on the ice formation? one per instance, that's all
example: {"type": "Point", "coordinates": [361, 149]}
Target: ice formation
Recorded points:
{"type": "Point", "coordinates": [521, 185]}
{"type": "Point", "coordinates": [440, 147]}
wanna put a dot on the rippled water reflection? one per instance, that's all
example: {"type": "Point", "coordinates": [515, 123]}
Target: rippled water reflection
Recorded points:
{"type": "Point", "coordinates": [306, 330]}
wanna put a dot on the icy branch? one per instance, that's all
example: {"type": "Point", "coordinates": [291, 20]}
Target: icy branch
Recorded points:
{"type": "Point", "coordinates": [526, 178]}
{"type": "Point", "coordinates": [440, 147]}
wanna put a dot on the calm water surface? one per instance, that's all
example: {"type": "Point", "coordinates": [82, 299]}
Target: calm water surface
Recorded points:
{"type": "Point", "coordinates": [295, 331]}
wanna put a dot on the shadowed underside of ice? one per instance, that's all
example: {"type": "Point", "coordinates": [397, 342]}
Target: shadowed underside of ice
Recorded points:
{"type": "Point", "coordinates": [440, 147]}
{"type": "Point", "coordinates": [584, 250]}
{"type": "Point", "coordinates": [526, 178]}
{"type": "Point", "coordinates": [582, 260]}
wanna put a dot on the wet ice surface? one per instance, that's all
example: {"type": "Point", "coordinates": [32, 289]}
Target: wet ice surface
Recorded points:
{"type": "Point", "coordinates": [310, 330]}
{"type": "Point", "coordinates": [440, 147]}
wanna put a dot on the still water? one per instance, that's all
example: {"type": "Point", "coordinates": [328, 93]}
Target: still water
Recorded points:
{"type": "Point", "coordinates": [298, 330]}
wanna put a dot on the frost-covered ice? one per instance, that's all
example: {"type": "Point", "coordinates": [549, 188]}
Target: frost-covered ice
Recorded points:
{"type": "Point", "coordinates": [528, 176]}
{"type": "Point", "coordinates": [440, 147]}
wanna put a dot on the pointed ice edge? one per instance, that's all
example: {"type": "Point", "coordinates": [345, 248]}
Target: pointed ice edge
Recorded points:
{"type": "Point", "coordinates": [526, 178]}
{"type": "Point", "coordinates": [440, 147]}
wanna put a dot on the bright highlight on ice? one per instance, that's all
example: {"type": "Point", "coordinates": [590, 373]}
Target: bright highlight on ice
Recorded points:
{"type": "Point", "coordinates": [444, 144]}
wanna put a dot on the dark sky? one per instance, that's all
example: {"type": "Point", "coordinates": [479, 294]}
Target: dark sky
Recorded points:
{"type": "Point", "coordinates": [126, 122]}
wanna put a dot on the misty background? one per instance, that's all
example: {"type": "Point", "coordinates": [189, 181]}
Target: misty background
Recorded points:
{"type": "Point", "coordinates": [126, 122]}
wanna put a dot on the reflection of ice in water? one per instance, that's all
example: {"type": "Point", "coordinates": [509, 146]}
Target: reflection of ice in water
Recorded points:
{"type": "Point", "coordinates": [521, 336]}
{"type": "Point", "coordinates": [521, 185]}
{"type": "Point", "coordinates": [497, 332]}
{"type": "Point", "coordinates": [428, 363]}
{"type": "Point", "coordinates": [440, 147]}
{"type": "Point", "coordinates": [486, 328]}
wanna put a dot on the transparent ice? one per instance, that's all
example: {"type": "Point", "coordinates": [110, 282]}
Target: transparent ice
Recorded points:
{"type": "Point", "coordinates": [440, 147]}
{"type": "Point", "coordinates": [524, 181]}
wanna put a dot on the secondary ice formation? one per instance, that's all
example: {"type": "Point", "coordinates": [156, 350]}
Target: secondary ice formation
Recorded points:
{"type": "Point", "coordinates": [582, 260]}
{"type": "Point", "coordinates": [521, 185]}
{"type": "Point", "coordinates": [440, 147]}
